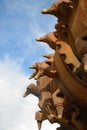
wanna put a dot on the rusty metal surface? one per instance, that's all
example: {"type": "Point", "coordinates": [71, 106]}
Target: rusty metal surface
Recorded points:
{"type": "Point", "coordinates": [79, 21]}
{"type": "Point", "coordinates": [73, 86]}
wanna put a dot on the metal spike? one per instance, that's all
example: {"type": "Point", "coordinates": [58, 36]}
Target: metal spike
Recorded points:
{"type": "Point", "coordinates": [46, 56]}
{"type": "Point", "coordinates": [38, 39]}
{"type": "Point", "coordinates": [36, 77]}
{"type": "Point", "coordinates": [44, 11]}
{"type": "Point", "coordinates": [43, 55]}
{"type": "Point", "coordinates": [32, 76]}
{"type": "Point", "coordinates": [33, 66]}
{"type": "Point", "coordinates": [24, 95]}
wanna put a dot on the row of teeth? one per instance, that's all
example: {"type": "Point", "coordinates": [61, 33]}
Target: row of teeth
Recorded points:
{"type": "Point", "coordinates": [64, 48]}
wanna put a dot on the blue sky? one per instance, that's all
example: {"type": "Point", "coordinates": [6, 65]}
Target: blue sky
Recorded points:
{"type": "Point", "coordinates": [21, 22]}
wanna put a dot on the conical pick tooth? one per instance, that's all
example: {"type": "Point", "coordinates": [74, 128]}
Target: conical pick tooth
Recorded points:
{"type": "Point", "coordinates": [32, 76]}
{"type": "Point", "coordinates": [44, 11]}
{"type": "Point", "coordinates": [38, 39]}
{"type": "Point", "coordinates": [44, 55]}
{"type": "Point", "coordinates": [41, 39]}
{"type": "Point", "coordinates": [24, 95]}
{"type": "Point", "coordinates": [31, 67]}
{"type": "Point", "coordinates": [34, 66]}
{"type": "Point", "coordinates": [36, 77]}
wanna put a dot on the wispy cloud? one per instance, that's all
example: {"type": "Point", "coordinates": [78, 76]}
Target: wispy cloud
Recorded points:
{"type": "Point", "coordinates": [14, 110]}
{"type": "Point", "coordinates": [17, 113]}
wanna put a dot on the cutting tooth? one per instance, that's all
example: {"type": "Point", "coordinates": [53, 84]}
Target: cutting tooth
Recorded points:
{"type": "Point", "coordinates": [39, 124]}
{"type": "Point", "coordinates": [44, 56]}
{"type": "Point", "coordinates": [33, 75]}
{"type": "Point", "coordinates": [42, 39]}
{"type": "Point", "coordinates": [48, 56]}
{"type": "Point", "coordinates": [36, 77]}
{"type": "Point", "coordinates": [44, 11]}
{"type": "Point", "coordinates": [24, 95]}
{"type": "Point", "coordinates": [39, 74]}
{"type": "Point", "coordinates": [33, 66]}
{"type": "Point", "coordinates": [38, 39]}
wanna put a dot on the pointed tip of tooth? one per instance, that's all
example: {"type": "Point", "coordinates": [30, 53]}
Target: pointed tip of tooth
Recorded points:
{"type": "Point", "coordinates": [44, 11]}
{"type": "Point", "coordinates": [30, 67]}
{"type": "Point", "coordinates": [38, 39]}
{"type": "Point", "coordinates": [44, 55]}
{"type": "Point", "coordinates": [30, 77]}
{"type": "Point", "coordinates": [24, 95]}
{"type": "Point", "coordinates": [36, 77]}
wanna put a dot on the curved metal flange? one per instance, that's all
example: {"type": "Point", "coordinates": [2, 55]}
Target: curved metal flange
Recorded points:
{"type": "Point", "coordinates": [73, 85]}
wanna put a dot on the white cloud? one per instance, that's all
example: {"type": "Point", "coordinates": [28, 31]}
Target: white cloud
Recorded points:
{"type": "Point", "coordinates": [16, 112]}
